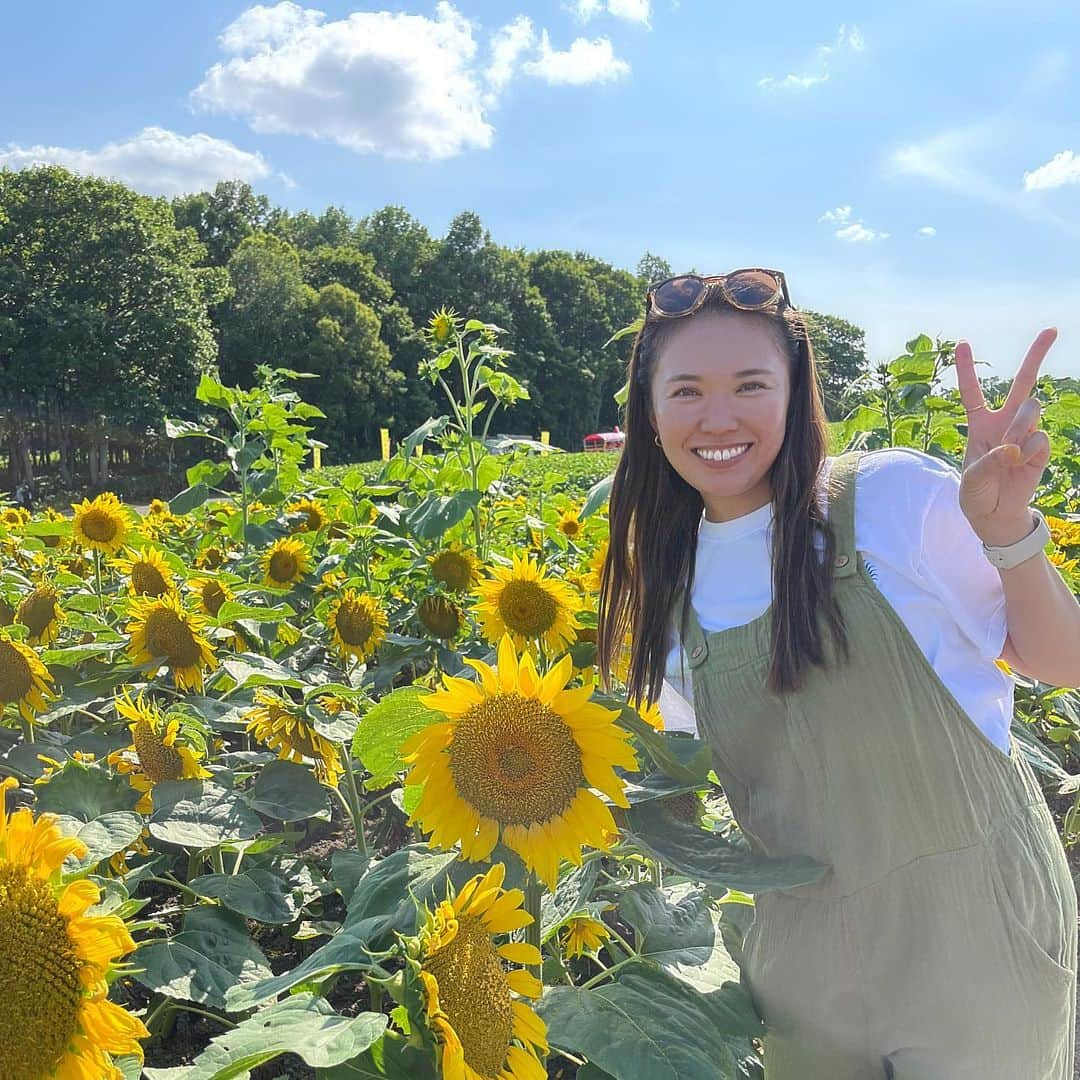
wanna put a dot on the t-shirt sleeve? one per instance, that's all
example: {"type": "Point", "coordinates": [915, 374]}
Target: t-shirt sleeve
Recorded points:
{"type": "Point", "coordinates": [955, 569]}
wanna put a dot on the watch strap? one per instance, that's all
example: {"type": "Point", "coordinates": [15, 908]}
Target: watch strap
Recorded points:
{"type": "Point", "coordinates": [1010, 555]}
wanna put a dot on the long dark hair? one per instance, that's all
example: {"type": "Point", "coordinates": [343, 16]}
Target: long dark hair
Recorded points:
{"type": "Point", "coordinates": [654, 516]}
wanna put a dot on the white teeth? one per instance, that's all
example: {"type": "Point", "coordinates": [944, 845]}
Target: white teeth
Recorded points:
{"type": "Point", "coordinates": [723, 455]}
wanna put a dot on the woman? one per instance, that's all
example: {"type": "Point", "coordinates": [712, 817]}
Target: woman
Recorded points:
{"type": "Point", "coordinates": [838, 652]}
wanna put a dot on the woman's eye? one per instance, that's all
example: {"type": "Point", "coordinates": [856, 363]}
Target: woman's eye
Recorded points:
{"type": "Point", "coordinates": [757, 385]}
{"type": "Point", "coordinates": [689, 389]}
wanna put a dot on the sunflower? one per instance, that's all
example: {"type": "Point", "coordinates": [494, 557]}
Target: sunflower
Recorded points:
{"type": "Point", "coordinates": [148, 573]}
{"type": "Point", "coordinates": [211, 593]}
{"type": "Point", "coordinates": [24, 679]}
{"type": "Point", "coordinates": [52, 515]}
{"type": "Point", "coordinates": [7, 613]}
{"type": "Point", "coordinates": [315, 516]}
{"type": "Point", "coordinates": [285, 563]}
{"type": "Point", "coordinates": [277, 726]}
{"type": "Point", "coordinates": [456, 568]}
{"type": "Point", "coordinates": [591, 579]}
{"type": "Point", "coordinates": [14, 517]}
{"type": "Point", "coordinates": [40, 613]}
{"type": "Point", "coordinates": [156, 753]}
{"type": "Point", "coordinates": [440, 617]}
{"type": "Point", "coordinates": [584, 935]}
{"type": "Point", "coordinates": [211, 557]}
{"type": "Point", "coordinates": [1063, 532]}
{"type": "Point", "coordinates": [485, 1032]}
{"type": "Point", "coordinates": [101, 524]}
{"type": "Point", "coordinates": [56, 960]}
{"type": "Point", "coordinates": [650, 713]}
{"type": "Point", "coordinates": [161, 628]}
{"type": "Point", "coordinates": [569, 524]}
{"type": "Point", "coordinates": [526, 603]}
{"type": "Point", "coordinates": [515, 758]}
{"type": "Point", "coordinates": [357, 624]}
{"type": "Point", "coordinates": [442, 325]}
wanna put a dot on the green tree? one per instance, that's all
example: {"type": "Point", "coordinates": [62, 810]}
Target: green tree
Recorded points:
{"type": "Point", "coordinates": [103, 315]}
{"type": "Point", "coordinates": [263, 318]}
{"type": "Point", "coordinates": [840, 353]}
{"type": "Point", "coordinates": [651, 268]}
{"type": "Point", "coordinates": [222, 218]}
{"type": "Point", "coordinates": [402, 248]}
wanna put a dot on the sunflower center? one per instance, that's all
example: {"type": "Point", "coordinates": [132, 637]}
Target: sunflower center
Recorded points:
{"type": "Point", "coordinates": [213, 596]}
{"type": "Point", "coordinates": [451, 570]}
{"type": "Point", "coordinates": [515, 760]}
{"type": "Point", "coordinates": [283, 566]}
{"type": "Point", "coordinates": [439, 617]}
{"type": "Point", "coordinates": [99, 525]}
{"type": "Point", "coordinates": [571, 527]}
{"type": "Point", "coordinates": [37, 611]}
{"type": "Point", "coordinates": [158, 761]}
{"type": "Point", "coordinates": [147, 580]}
{"type": "Point", "coordinates": [39, 970]}
{"type": "Point", "coordinates": [526, 608]}
{"type": "Point", "coordinates": [169, 636]}
{"type": "Point", "coordinates": [16, 678]}
{"type": "Point", "coordinates": [475, 997]}
{"type": "Point", "coordinates": [353, 623]}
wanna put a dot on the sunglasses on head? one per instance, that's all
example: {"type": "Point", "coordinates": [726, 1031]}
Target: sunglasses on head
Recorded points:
{"type": "Point", "coordinates": [750, 289]}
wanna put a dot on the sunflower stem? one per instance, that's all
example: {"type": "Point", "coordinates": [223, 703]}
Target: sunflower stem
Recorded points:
{"type": "Point", "coordinates": [534, 894]}
{"type": "Point", "coordinates": [97, 583]}
{"type": "Point", "coordinates": [354, 798]}
{"type": "Point", "coordinates": [28, 727]}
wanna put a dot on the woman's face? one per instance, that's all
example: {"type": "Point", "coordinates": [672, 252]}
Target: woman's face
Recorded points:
{"type": "Point", "coordinates": [720, 392]}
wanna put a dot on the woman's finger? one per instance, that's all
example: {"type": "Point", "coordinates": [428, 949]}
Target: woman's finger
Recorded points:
{"type": "Point", "coordinates": [966, 381]}
{"type": "Point", "coordinates": [1035, 449]}
{"type": "Point", "coordinates": [1028, 375]}
{"type": "Point", "coordinates": [1023, 423]}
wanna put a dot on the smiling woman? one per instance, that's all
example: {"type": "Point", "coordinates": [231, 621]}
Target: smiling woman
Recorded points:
{"type": "Point", "coordinates": [854, 719]}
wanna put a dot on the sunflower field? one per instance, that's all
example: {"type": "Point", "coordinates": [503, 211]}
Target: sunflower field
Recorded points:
{"type": "Point", "coordinates": [308, 775]}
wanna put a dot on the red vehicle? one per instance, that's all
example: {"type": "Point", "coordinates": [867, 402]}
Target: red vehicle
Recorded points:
{"type": "Point", "coordinates": [605, 440]}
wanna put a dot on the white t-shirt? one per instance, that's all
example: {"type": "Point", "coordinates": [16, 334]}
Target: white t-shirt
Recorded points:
{"type": "Point", "coordinates": [921, 552]}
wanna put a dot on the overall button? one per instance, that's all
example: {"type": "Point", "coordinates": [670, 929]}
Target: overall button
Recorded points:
{"type": "Point", "coordinates": [697, 652]}
{"type": "Point", "coordinates": [842, 560]}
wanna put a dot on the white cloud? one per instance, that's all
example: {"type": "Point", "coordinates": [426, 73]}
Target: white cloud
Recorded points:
{"type": "Point", "coordinates": [840, 216]}
{"type": "Point", "coordinates": [927, 230]}
{"type": "Point", "coordinates": [584, 62]}
{"type": "Point", "coordinates": [155, 161]}
{"type": "Point", "coordinates": [848, 39]}
{"type": "Point", "coordinates": [1061, 169]}
{"type": "Point", "coordinates": [400, 85]}
{"type": "Point", "coordinates": [507, 45]}
{"type": "Point", "coordinates": [853, 232]}
{"type": "Point", "coordinates": [632, 10]}
{"type": "Point", "coordinates": [264, 27]}
{"type": "Point", "coordinates": [858, 233]}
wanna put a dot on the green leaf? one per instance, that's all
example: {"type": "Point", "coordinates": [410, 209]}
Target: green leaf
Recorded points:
{"type": "Point", "coordinates": [304, 1025]}
{"type": "Point", "coordinates": [212, 955]}
{"type": "Point", "coordinates": [711, 859]}
{"type": "Point", "coordinates": [287, 791]}
{"type": "Point", "coordinates": [185, 429]}
{"type": "Point", "coordinates": [198, 814]}
{"type": "Point", "coordinates": [103, 836]}
{"type": "Point", "coordinates": [211, 392]}
{"type": "Point", "coordinates": [381, 904]}
{"type": "Point", "coordinates": [680, 932]}
{"type": "Point", "coordinates": [647, 1023]}
{"type": "Point", "coordinates": [598, 496]}
{"type": "Point", "coordinates": [86, 792]}
{"type": "Point", "coordinates": [429, 429]}
{"type": "Point", "coordinates": [260, 671]}
{"type": "Point", "coordinates": [232, 610]}
{"type": "Point", "coordinates": [434, 514]}
{"type": "Point", "coordinates": [258, 894]}
{"type": "Point", "coordinates": [207, 472]}
{"type": "Point", "coordinates": [378, 739]}
{"type": "Point", "coordinates": [189, 499]}
{"type": "Point", "coordinates": [391, 1058]}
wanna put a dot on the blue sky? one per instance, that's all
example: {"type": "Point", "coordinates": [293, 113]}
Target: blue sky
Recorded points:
{"type": "Point", "coordinates": [916, 170]}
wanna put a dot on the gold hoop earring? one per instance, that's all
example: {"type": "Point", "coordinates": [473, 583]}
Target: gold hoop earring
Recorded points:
{"type": "Point", "coordinates": [656, 439]}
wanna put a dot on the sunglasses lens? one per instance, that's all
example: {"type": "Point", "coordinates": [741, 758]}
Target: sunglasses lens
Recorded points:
{"type": "Point", "coordinates": [753, 288]}
{"type": "Point", "coordinates": [678, 295]}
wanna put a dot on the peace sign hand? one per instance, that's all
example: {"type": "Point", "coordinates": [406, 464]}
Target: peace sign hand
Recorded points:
{"type": "Point", "coordinates": [1006, 451]}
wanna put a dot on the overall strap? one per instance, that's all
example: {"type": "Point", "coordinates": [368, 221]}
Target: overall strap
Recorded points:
{"type": "Point", "coordinates": [842, 511]}
{"type": "Point", "coordinates": [694, 640]}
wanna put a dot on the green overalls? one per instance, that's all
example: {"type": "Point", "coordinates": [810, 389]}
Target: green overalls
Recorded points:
{"type": "Point", "coordinates": [942, 943]}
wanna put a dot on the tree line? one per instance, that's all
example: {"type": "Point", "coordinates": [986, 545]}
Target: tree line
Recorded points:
{"type": "Point", "coordinates": [113, 303]}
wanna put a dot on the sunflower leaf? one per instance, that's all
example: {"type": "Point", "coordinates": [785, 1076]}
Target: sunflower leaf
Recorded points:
{"type": "Point", "coordinates": [197, 814]}
{"type": "Point", "coordinates": [258, 894]}
{"type": "Point", "coordinates": [377, 742]}
{"type": "Point", "coordinates": [287, 791]}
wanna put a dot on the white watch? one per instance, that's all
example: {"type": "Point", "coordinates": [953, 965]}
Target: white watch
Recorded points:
{"type": "Point", "coordinates": [1010, 555]}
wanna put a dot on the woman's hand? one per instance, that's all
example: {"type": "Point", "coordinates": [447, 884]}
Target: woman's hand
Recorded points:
{"type": "Point", "coordinates": [1006, 450]}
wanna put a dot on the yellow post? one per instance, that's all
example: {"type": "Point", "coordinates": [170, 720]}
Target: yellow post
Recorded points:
{"type": "Point", "coordinates": [316, 453]}
{"type": "Point", "coordinates": [384, 439]}
{"type": "Point", "coordinates": [545, 438]}
{"type": "Point", "coordinates": [418, 450]}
